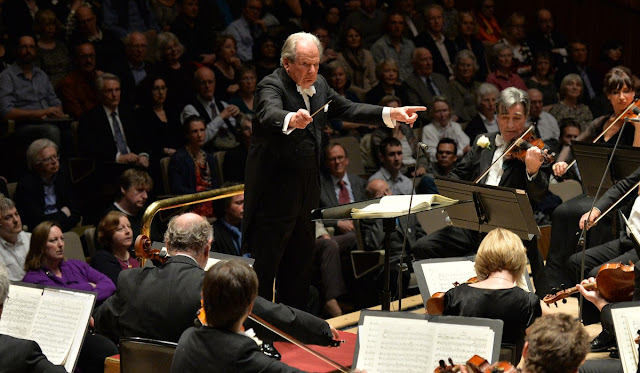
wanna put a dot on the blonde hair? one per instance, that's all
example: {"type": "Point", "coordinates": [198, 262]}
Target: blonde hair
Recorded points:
{"type": "Point", "coordinates": [500, 250]}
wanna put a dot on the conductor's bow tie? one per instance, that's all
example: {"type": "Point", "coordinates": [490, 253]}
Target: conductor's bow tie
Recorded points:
{"type": "Point", "coordinates": [308, 91]}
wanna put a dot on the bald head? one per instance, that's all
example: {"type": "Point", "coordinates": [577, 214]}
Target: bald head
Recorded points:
{"type": "Point", "coordinates": [378, 188]}
{"type": "Point", "coordinates": [545, 21]}
{"type": "Point", "coordinates": [189, 234]}
{"type": "Point", "coordinates": [205, 81]}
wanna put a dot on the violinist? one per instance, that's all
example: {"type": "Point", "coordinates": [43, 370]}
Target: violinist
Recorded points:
{"type": "Point", "coordinates": [161, 302]}
{"type": "Point", "coordinates": [527, 174]}
{"type": "Point", "coordinates": [619, 88]}
{"type": "Point", "coordinates": [500, 265]}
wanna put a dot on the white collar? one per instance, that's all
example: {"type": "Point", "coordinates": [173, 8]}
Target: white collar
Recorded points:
{"type": "Point", "coordinates": [306, 91]}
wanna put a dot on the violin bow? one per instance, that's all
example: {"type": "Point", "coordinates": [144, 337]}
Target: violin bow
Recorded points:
{"type": "Point", "coordinates": [615, 121]}
{"type": "Point", "coordinates": [513, 145]}
{"type": "Point", "coordinates": [616, 203]}
{"type": "Point", "coordinates": [289, 338]}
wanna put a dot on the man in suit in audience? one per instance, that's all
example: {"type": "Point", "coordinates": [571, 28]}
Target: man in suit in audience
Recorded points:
{"type": "Point", "coordinates": [162, 302]}
{"type": "Point", "coordinates": [107, 45]}
{"type": "Point", "coordinates": [77, 89]}
{"type": "Point", "coordinates": [133, 68]}
{"type": "Point", "coordinates": [20, 355]}
{"type": "Point", "coordinates": [442, 49]}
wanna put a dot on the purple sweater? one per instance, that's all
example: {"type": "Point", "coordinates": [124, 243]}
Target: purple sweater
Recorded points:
{"type": "Point", "coordinates": [76, 275]}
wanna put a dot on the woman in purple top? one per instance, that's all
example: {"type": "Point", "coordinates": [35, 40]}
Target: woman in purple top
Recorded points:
{"type": "Point", "coordinates": [45, 265]}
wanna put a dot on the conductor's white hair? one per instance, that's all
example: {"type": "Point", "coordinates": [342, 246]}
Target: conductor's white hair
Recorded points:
{"type": "Point", "coordinates": [291, 44]}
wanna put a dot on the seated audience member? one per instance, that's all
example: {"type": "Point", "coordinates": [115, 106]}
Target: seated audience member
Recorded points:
{"type": "Point", "coordinates": [87, 30]}
{"type": "Point", "coordinates": [464, 87]}
{"type": "Point", "coordinates": [192, 31]}
{"type": "Point", "coordinates": [45, 264]}
{"type": "Point", "coordinates": [370, 19]}
{"type": "Point", "coordinates": [76, 90]}
{"type": "Point", "coordinates": [442, 49]}
{"type": "Point", "coordinates": [191, 169]}
{"type": "Point", "coordinates": [359, 62]}
{"type": "Point", "coordinates": [391, 167]}
{"type": "Point", "coordinates": [338, 79]}
{"type": "Point", "coordinates": [229, 290]}
{"type": "Point", "coordinates": [620, 91]}
{"type": "Point", "coordinates": [578, 64]}
{"type": "Point", "coordinates": [247, 83]}
{"type": "Point", "coordinates": [236, 158]}
{"type": "Point", "coordinates": [29, 101]}
{"type": "Point", "coordinates": [176, 72]}
{"type": "Point", "coordinates": [52, 56]}
{"type": "Point", "coordinates": [423, 84]}
{"type": "Point", "coordinates": [446, 158]}
{"type": "Point", "coordinates": [545, 39]}
{"type": "Point", "coordinates": [485, 121]}
{"type": "Point", "coordinates": [500, 264]}
{"type": "Point", "coordinates": [247, 28]}
{"type": "Point", "coordinates": [14, 242]}
{"type": "Point", "coordinates": [131, 68]}
{"type": "Point", "coordinates": [172, 292]}
{"type": "Point", "coordinates": [570, 104]}
{"type": "Point", "coordinates": [610, 56]}
{"type": "Point", "coordinates": [514, 37]}
{"type": "Point", "coordinates": [542, 79]}
{"type": "Point", "coordinates": [160, 122]}
{"type": "Point", "coordinates": [16, 354]}
{"type": "Point", "coordinates": [512, 111]}
{"type": "Point", "coordinates": [217, 114]}
{"type": "Point", "coordinates": [266, 56]}
{"type": "Point", "coordinates": [227, 62]}
{"type": "Point", "coordinates": [502, 76]}
{"type": "Point", "coordinates": [135, 186]}
{"type": "Point", "coordinates": [544, 124]}
{"type": "Point", "coordinates": [466, 39]}
{"type": "Point", "coordinates": [227, 227]}
{"type": "Point", "coordinates": [108, 134]}
{"type": "Point", "coordinates": [413, 157]}
{"type": "Point", "coordinates": [393, 45]}
{"type": "Point", "coordinates": [442, 126]}
{"type": "Point", "coordinates": [388, 83]}
{"type": "Point", "coordinates": [115, 238]}
{"type": "Point", "coordinates": [122, 18]}
{"type": "Point", "coordinates": [44, 193]}
{"type": "Point", "coordinates": [488, 27]}
{"type": "Point", "coordinates": [569, 131]}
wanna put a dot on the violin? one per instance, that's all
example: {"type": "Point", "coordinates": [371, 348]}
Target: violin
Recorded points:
{"type": "Point", "coordinates": [435, 303]}
{"type": "Point", "coordinates": [614, 282]}
{"type": "Point", "coordinates": [477, 364]}
{"type": "Point", "coordinates": [524, 143]}
{"type": "Point", "coordinates": [633, 110]}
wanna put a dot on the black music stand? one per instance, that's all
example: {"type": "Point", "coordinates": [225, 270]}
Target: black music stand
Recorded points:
{"type": "Point", "coordinates": [594, 158]}
{"type": "Point", "coordinates": [492, 207]}
{"type": "Point", "coordinates": [343, 212]}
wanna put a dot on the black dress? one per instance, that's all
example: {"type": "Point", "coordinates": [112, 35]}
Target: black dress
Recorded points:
{"type": "Point", "coordinates": [516, 307]}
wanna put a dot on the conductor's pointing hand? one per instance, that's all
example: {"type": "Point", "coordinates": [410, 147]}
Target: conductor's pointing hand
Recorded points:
{"type": "Point", "coordinates": [406, 114]}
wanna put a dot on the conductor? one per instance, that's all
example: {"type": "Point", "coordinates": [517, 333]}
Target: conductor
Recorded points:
{"type": "Point", "coordinates": [281, 179]}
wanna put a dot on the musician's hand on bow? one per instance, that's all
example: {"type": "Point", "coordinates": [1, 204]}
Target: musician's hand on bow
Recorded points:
{"type": "Point", "coordinates": [300, 119]}
{"type": "Point", "coordinates": [533, 160]}
{"type": "Point", "coordinates": [559, 168]}
{"type": "Point", "coordinates": [592, 217]}
{"type": "Point", "coordinates": [592, 296]}
{"type": "Point", "coordinates": [406, 114]}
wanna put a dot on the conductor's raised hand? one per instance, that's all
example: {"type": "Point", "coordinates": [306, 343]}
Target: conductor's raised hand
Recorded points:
{"type": "Point", "coordinates": [300, 119]}
{"type": "Point", "coordinates": [406, 114]}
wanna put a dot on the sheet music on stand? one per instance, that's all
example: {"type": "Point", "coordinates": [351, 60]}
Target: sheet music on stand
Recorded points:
{"type": "Point", "coordinates": [399, 342]}
{"type": "Point", "coordinates": [55, 318]}
{"type": "Point", "coordinates": [626, 322]}
{"type": "Point", "coordinates": [440, 274]}
{"type": "Point", "coordinates": [214, 257]}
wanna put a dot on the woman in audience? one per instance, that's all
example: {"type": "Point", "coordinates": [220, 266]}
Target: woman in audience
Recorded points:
{"type": "Point", "coordinates": [502, 77]}
{"type": "Point", "coordinates": [247, 83]}
{"type": "Point", "coordinates": [177, 74]}
{"type": "Point", "coordinates": [227, 62]}
{"type": "Point", "coordinates": [388, 74]}
{"type": "Point", "coordinates": [191, 169]}
{"type": "Point", "coordinates": [569, 106]}
{"type": "Point", "coordinates": [265, 56]}
{"type": "Point", "coordinates": [442, 126]}
{"type": "Point", "coordinates": [610, 57]}
{"type": "Point", "coordinates": [161, 122]}
{"type": "Point", "coordinates": [514, 36]}
{"type": "Point", "coordinates": [115, 239]}
{"type": "Point", "coordinates": [489, 31]}
{"type": "Point", "coordinates": [485, 120]}
{"type": "Point", "coordinates": [542, 79]}
{"type": "Point", "coordinates": [464, 86]}
{"type": "Point", "coordinates": [339, 79]}
{"type": "Point", "coordinates": [466, 39]}
{"type": "Point", "coordinates": [501, 264]}
{"type": "Point", "coordinates": [53, 56]}
{"type": "Point", "coordinates": [359, 62]}
{"type": "Point", "coordinates": [45, 265]}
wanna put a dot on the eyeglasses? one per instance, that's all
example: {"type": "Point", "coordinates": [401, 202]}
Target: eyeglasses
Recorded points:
{"type": "Point", "coordinates": [50, 160]}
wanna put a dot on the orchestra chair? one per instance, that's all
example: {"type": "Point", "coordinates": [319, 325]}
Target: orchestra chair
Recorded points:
{"type": "Point", "coordinates": [89, 236]}
{"type": "Point", "coordinates": [146, 355]}
{"type": "Point", "coordinates": [73, 246]}
{"type": "Point", "coordinates": [11, 188]}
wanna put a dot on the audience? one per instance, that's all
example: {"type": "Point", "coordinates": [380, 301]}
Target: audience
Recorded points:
{"type": "Point", "coordinates": [77, 89]}
{"type": "Point", "coordinates": [485, 120]}
{"type": "Point", "coordinates": [176, 72]}
{"type": "Point", "coordinates": [570, 104]}
{"type": "Point", "coordinates": [247, 83]}
{"type": "Point", "coordinates": [446, 157]}
{"type": "Point", "coordinates": [501, 62]}
{"type": "Point", "coordinates": [489, 30]}
{"type": "Point", "coordinates": [225, 67]}
{"type": "Point", "coordinates": [236, 158]}
{"type": "Point", "coordinates": [115, 238]}
{"type": "Point", "coordinates": [542, 78]}
{"type": "Point", "coordinates": [123, 18]}
{"type": "Point", "coordinates": [14, 241]}
{"type": "Point", "coordinates": [514, 37]}
{"type": "Point", "coordinates": [370, 20]}
{"type": "Point", "coordinates": [464, 87]}
{"type": "Point", "coordinates": [359, 62]}
{"type": "Point", "coordinates": [246, 29]}
{"type": "Point", "coordinates": [388, 76]}
{"type": "Point", "coordinates": [133, 192]}
{"type": "Point", "coordinates": [191, 29]}
{"type": "Point", "coordinates": [545, 38]}
{"type": "Point", "coordinates": [578, 64]}
{"type": "Point", "coordinates": [442, 126]}
{"type": "Point", "coordinates": [393, 45]}
{"type": "Point", "coordinates": [442, 49]}
{"type": "Point", "coordinates": [107, 44]}
{"type": "Point", "coordinates": [391, 167]}
{"type": "Point", "coordinates": [466, 39]}
{"type": "Point", "coordinates": [545, 125]}
{"type": "Point", "coordinates": [133, 68]}
{"type": "Point", "coordinates": [52, 56]}
{"type": "Point", "coordinates": [227, 227]}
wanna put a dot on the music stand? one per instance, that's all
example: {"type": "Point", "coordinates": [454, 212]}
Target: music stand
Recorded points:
{"type": "Point", "coordinates": [343, 212]}
{"type": "Point", "coordinates": [493, 207]}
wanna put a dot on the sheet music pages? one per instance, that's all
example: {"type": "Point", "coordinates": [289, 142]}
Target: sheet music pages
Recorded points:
{"type": "Point", "coordinates": [626, 322]}
{"type": "Point", "coordinates": [441, 276]}
{"type": "Point", "coordinates": [87, 300]}
{"type": "Point", "coordinates": [210, 263]}
{"type": "Point", "coordinates": [399, 204]}
{"type": "Point", "coordinates": [397, 345]}
{"type": "Point", "coordinates": [19, 311]}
